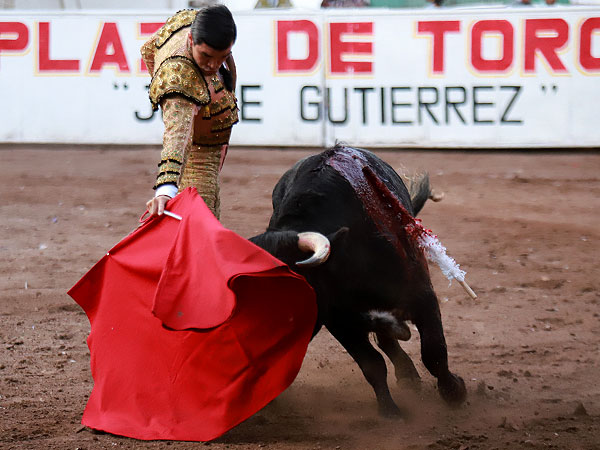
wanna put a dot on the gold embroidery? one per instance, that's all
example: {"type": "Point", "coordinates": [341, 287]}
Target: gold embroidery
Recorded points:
{"type": "Point", "coordinates": [202, 172]}
{"type": "Point", "coordinates": [169, 166]}
{"type": "Point", "coordinates": [226, 102]}
{"type": "Point", "coordinates": [148, 51]}
{"type": "Point", "coordinates": [226, 122]}
{"type": "Point", "coordinates": [172, 154]}
{"type": "Point", "coordinates": [173, 24]}
{"type": "Point", "coordinates": [216, 83]}
{"type": "Point", "coordinates": [178, 75]}
{"type": "Point", "coordinates": [178, 114]}
{"type": "Point", "coordinates": [167, 178]}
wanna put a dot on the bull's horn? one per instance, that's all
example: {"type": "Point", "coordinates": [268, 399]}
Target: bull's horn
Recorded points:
{"type": "Point", "coordinates": [316, 243]}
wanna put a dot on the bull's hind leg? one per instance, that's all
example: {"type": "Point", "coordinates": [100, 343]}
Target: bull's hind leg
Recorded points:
{"type": "Point", "coordinates": [403, 365]}
{"type": "Point", "coordinates": [434, 352]}
{"type": "Point", "coordinates": [370, 361]}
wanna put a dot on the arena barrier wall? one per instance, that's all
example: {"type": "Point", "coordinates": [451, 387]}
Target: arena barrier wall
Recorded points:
{"type": "Point", "coordinates": [446, 78]}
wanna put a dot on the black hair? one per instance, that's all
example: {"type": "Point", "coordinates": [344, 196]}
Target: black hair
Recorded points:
{"type": "Point", "coordinates": [215, 27]}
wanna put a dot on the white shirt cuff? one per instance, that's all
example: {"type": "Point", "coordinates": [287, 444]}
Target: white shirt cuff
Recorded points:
{"type": "Point", "coordinates": [166, 189]}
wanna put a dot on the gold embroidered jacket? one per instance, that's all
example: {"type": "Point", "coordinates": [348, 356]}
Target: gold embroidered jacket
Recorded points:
{"type": "Point", "coordinates": [198, 112]}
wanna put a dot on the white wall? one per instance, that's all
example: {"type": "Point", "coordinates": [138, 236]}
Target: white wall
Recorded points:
{"type": "Point", "coordinates": [173, 5]}
{"type": "Point", "coordinates": [75, 77]}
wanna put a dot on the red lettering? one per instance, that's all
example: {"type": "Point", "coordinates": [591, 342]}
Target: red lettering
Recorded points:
{"type": "Point", "coordinates": [341, 47]}
{"type": "Point", "coordinates": [547, 45]}
{"type": "Point", "coordinates": [147, 29]}
{"type": "Point", "coordinates": [109, 40]}
{"type": "Point", "coordinates": [438, 29]}
{"type": "Point", "coordinates": [47, 64]}
{"type": "Point", "coordinates": [586, 59]}
{"type": "Point", "coordinates": [284, 62]}
{"type": "Point", "coordinates": [503, 27]}
{"type": "Point", "coordinates": [21, 36]}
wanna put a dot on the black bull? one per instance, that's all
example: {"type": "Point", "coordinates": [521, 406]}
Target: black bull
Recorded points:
{"type": "Point", "coordinates": [376, 277]}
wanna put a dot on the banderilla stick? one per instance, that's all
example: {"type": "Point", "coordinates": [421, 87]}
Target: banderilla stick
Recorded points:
{"type": "Point", "coordinates": [467, 288]}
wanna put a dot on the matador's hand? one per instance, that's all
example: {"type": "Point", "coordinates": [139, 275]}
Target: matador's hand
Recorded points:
{"type": "Point", "coordinates": [156, 205]}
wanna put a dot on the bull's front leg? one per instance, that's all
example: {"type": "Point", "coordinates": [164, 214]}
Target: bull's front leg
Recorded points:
{"type": "Point", "coordinates": [369, 360]}
{"type": "Point", "coordinates": [434, 352]}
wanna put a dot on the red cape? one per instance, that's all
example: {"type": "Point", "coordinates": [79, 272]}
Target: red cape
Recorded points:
{"type": "Point", "coordinates": [193, 328]}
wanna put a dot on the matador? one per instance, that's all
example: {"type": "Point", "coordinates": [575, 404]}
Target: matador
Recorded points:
{"type": "Point", "coordinates": [186, 58]}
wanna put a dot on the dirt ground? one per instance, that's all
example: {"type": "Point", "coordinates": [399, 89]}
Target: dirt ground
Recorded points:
{"type": "Point", "coordinates": [524, 225]}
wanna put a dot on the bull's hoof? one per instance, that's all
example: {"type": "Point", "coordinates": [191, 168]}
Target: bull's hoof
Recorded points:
{"type": "Point", "coordinates": [390, 410]}
{"type": "Point", "coordinates": [411, 382]}
{"type": "Point", "coordinates": [452, 389]}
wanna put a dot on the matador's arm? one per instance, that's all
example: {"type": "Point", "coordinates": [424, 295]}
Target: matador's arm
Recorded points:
{"type": "Point", "coordinates": [178, 116]}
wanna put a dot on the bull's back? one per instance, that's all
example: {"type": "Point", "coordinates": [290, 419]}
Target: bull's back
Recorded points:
{"type": "Point", "coordinates": [314, 175]}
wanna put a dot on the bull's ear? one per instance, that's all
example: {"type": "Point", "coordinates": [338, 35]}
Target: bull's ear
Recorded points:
{"type": "Point", "coordinates": [339, 236]}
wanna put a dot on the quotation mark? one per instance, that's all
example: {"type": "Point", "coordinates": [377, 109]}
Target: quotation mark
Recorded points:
{"type": "Point", "coordinates": [550, 88]}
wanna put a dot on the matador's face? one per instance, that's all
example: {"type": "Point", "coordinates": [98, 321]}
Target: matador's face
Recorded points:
{"type": "Point", "coordinates": [207, 58]}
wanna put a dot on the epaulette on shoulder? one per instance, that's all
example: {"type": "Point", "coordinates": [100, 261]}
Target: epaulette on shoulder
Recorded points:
{"type": "Point", "coordinates": [173, 24]}
{"type": "Point", "coordinates": [178, 75]}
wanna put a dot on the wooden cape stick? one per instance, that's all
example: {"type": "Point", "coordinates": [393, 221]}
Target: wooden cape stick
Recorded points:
{"type": "Point", "coordinates": [173, 215]}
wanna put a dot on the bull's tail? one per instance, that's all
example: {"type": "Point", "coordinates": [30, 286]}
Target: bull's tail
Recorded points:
{"type": "Point", "coordinates": [418, 187]}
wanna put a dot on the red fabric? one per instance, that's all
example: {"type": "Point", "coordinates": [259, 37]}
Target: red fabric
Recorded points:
{"type": "Point", "coordinates": [193, 328]}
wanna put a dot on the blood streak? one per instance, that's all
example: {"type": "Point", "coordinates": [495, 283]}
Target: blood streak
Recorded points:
{"type": "Point", "coordinates": [391, 218]}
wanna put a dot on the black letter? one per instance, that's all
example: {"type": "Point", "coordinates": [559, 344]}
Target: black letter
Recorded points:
{"type": "Point", "coordinates": [137, 114]}
{"type": "Point", "coordinates": [382, 91]}
{"type": "Point", "coordinates": [317, 104]}
{"type": "Point", "coordinates": [510, 104]}
{"type": "Point", "coordinates": [425, 104]}
{"type": "Point", "coordinates": [138, 117]}
{"type": "Point", "coordinates": [476, 104]}
{"type": "Point", "coordinates": [452, 104]}
{"type": "Point", "coordinates": [327, 92]}
{"type": "Point", "coordinates": [244, 103]}
{"type": "Point", "coordinates": [394, 104]}
{"type": "Point", "coordinates": [364, 91]}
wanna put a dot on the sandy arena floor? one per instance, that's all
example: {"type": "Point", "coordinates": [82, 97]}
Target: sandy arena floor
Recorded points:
{"type": "Point", "coordinates": [524, 225]}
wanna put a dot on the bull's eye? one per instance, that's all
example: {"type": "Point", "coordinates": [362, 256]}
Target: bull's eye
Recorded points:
{"type": "Point", "coordinates": [309, 200]}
